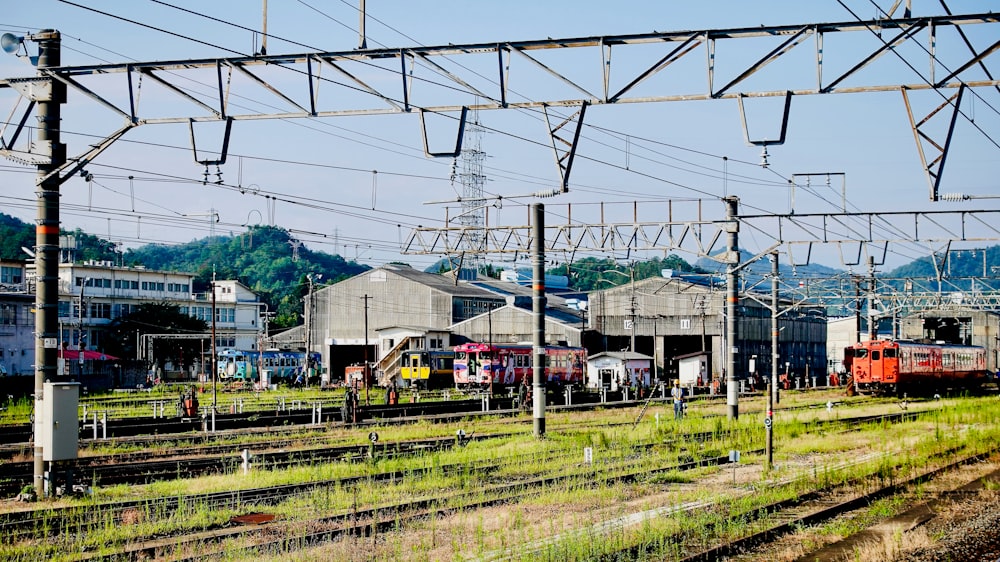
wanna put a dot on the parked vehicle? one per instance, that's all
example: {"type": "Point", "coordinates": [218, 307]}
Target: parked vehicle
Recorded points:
{"type": "Point", "coordinates": [507, 365]}
{"type": "Point", "coordinates": [897, 366]}
{"type": "Point", "coordinates": [284, 366]}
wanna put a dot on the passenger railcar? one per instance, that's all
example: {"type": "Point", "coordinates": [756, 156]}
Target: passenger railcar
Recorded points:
{"type": "Point", "coordinates": [895, 367]}
{"type": "Point", "coordinates": [245, 365]}
{"type": "Point", "coordinates": [505, 365]}
{"type": "Point", "coordinates": [427, 368]}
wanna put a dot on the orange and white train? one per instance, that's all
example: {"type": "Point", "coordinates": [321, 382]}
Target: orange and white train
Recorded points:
{"type": "Point", "coordinates": [895, 366]}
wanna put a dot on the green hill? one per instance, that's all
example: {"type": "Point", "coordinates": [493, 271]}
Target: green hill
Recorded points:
{"type": "Point", "coordinates": [260, 259]}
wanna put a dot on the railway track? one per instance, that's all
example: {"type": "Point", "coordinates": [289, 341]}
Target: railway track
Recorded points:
{"type": "Point", "coordinates": [146, 467]}
{"type": "Point", "coordinates": [824, 506]}
{"type": "Point", "coordinates": [52, 522]}
{"type": "Point", "coordinates": [49, 522]}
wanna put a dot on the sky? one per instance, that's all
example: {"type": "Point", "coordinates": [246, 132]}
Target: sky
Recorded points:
{"type": "Point", "coordinates": [358, 185]}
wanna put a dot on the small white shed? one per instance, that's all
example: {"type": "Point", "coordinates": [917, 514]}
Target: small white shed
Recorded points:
{"type": "Point", "coordinates": [692, 368]}
{"type": "Point", "coordinates": [614, 369]}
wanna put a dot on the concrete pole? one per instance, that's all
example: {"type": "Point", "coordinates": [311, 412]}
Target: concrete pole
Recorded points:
{"type": "Point", "coordinates": [772, 396]}
{"type": "Point", "coordinates": [538, 315]}
{"type": "Point", "coordinates": [732, 297]}
{"type": "Point", "coordinates": [47, 234]}
{"type": "Point", "coordinates": [215, 356]}
{"type": "Point", "coordinates": [367, 371]}
{"type": "Point", "coordinates": [872, 328]}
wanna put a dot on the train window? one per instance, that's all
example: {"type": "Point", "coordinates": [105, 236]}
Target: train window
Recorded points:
{"type": "Point", "coordinates": [890, 352]}
{"type": "Point", "coordinates": [861, 353]}
{"type": "Point", "coordinates": [876, 355]}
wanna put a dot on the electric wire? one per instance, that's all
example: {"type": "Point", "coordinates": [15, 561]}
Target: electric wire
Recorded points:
{"type": "Point", "coordinates": [153, 27]}
{"type": "Point", "coordinates": [494, 130]}
{"type": "Point", "coordinates": [597, 160]}
{"type": "Point", "coordinates": [926, 81]}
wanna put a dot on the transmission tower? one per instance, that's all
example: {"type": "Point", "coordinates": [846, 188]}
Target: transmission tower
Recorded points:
{"type": "Point", "coordinates": [472, 179]}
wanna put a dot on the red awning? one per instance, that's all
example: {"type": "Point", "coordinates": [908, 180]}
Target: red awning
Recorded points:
{"type": "Point", "coordinates": [88, 355]}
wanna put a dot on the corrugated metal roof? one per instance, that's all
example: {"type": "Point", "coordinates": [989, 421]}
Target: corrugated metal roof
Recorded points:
{"type": "Point", "coordinates": [622, 355]}
{"type": "Point", "coordinates": [444, 283]}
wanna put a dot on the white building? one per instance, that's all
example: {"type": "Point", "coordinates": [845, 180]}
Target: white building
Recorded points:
{"type": "Point", "coordinates": [615, 369]}
{"type": "Point", "coordinates": [109, 291]}
{"type": "Point", "coordinates": [17, 322]}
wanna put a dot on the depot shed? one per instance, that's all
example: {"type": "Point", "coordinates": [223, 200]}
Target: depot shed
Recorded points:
{"type": "Point", "coordinates": [614, 369]}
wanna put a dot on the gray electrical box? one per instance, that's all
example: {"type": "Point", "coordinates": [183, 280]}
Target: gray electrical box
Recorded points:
{"type": "Point", "coordinates": [56, 425]}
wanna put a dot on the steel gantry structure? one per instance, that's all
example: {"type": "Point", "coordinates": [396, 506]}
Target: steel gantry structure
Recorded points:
{"type": "Point", "coordinates": [426, 76]}
{"type": "Point", "coordinates": [295, 82]}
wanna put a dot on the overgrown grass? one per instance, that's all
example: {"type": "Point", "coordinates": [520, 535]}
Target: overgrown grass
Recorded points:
{"type": "Point", "coordinates": [589, 512]}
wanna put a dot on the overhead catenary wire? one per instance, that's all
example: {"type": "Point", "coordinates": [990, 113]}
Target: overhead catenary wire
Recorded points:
{"type": "Point", "coordinates": [704, 192]}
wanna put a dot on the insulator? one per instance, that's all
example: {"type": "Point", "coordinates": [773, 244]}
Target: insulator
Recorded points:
{"type": "Point", "coordinates": [552, 193]}
{"type": "Point", "coordinates": [954, 197]}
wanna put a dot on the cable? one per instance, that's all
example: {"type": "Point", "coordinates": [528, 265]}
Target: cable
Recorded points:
{"type": "Point", "coordinates": [229, 23]}
{"type": "Point", "coordinates": [926, 81]}
{"type": "Point", "coordinates": [161, 30]}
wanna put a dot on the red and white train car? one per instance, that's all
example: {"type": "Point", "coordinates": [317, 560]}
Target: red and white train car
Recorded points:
{"type": "Point", "coordinates": [477, 364]}
{"type": "Point", "coordinates": [894, 367]}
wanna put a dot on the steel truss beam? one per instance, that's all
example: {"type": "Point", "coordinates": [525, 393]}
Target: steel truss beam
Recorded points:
{"type": "Point", "coordinates": [704, 237]}
{"type": "Point", "coordinates": [294, 81]}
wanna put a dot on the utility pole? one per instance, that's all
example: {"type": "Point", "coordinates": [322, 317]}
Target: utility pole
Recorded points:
{"type": "Point", "coordinates": [631, 277]}
{"type": "Point", "coordinates": [367, 366]}
{"type": "Point", "coordinates": [308, 312]}
{"type": "Point", "coordinates": [538, 315]}
{"type": "Point", "coordinates": [215, 367]}
{"type": "Point", "coordinates": [732, 297]}
{"type": "Point", "coordinates": [263, 35]}
{"type": "Point", "coordinates": [772, 395]}
{"type": "Point", "coordinates": [362, 42]}
{"type": "Point", "coordinates": [47, 231]}
{"type": "Point", "coordinates": [490, 342]}
{"type": "Point", "coordinates": [872, 329]}
{"type": "Point", "coordinates": [857, 307]}
{"type": "Point", "coordinates": [79, 323]}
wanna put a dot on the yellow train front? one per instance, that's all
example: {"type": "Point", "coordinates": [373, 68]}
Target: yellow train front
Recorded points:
{"type": "Point", "coordinates": [427, 368]}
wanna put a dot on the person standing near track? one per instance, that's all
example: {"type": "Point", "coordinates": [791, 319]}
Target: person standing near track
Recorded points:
{"type": "Point", "coordinates": [677, 393]}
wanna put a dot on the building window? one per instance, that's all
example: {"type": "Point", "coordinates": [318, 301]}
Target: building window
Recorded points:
{"type": "Point", "coordinates": [225, 315]}
{"type": "Point", "coordinates": [8, 314]}
{"type": "Point", "coordinates": [203, 313]}
{"type": "Point", "coordinates": [225, 341]}
{"type": "Point", "coordinates": [100, 310]}
{"type": "Point", "coordinates": [11, 275]}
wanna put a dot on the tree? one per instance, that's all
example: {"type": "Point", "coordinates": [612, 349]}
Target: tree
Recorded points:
{"type": "Point", "coordinates": [587, 274]}
{"type": "Point", "coordinates": [158, 318]}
